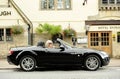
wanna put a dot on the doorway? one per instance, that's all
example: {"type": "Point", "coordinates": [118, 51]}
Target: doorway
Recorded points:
{"type": "Point", "coordinates": [100, 40]}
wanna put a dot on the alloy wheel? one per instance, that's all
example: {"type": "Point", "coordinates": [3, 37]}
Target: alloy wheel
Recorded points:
{"type": "Point", "coordinates": [92, 63]}
{"type": "Point", "coordinates": [27, 63]}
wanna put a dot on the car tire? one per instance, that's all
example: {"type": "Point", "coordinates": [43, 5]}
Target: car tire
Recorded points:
{"type": "Point", "coordinates": [27, 63]}
{"type": "Point", "coordinates": [92, 62]}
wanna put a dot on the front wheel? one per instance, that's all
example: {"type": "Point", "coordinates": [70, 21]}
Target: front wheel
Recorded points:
{"type": "Point", "coordinates": [27, 63]}
{"type": "Point", "coordinates": [92, 62]}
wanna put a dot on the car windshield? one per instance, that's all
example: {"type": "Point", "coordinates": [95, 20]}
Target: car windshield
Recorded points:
{"type": "Point", "coordinates": [67, 44]}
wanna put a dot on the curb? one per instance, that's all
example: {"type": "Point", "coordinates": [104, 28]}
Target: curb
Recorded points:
{"type": "Point", "coordinates": [5, 65]}
{"type": "Point", "coordinates": [17, 67]}
{"type": "Point", "coordinates": [6, 68]}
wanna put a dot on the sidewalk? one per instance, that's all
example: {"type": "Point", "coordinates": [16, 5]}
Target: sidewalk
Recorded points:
{"type": "Point", "coordinates": [5, 65]}
{"type": "Point", "coordinates": [114, 62]}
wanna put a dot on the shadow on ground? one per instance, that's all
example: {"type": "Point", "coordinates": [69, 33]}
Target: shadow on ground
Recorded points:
{"type": "Point", "coordinates": [58, 69]}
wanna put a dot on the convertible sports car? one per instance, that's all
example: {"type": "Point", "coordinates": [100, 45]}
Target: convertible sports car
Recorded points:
{"type": "Point", "coordinates": [62, 55]}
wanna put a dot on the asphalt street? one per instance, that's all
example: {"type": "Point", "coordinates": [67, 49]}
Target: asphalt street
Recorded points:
{"type": "Point", "coordinates": [61, 73]}
{"type": "Point", "coordinates": [112, 71]}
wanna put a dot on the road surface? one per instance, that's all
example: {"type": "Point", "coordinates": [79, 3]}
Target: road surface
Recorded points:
{"type": "Point", "coordinates": [61, 73]}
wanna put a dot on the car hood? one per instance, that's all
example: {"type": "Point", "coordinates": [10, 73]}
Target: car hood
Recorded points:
{"type": "Point", "coordinates": [86, 50]}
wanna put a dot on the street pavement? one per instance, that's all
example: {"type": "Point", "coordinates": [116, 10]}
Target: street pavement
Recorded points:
{"type": "Point", "coordinates": [101, 73]}
{"type": "Point", "coordinates": [112, 71]}
{"type": "Point", "coordinates": [4, 64]}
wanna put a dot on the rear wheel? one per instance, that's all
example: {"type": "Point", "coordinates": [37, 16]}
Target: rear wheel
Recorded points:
{"type": "Point", "coordinates": [28, 63]}
{"type": "Point", "coordinates": [92, 62]}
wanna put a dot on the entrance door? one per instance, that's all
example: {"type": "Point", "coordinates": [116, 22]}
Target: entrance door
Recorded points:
{"type": "Point", "coordinates": [100, 41]}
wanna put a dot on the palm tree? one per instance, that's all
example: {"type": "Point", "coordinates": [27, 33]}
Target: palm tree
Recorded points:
{"type": "Point", "coordinates": [49, 29]}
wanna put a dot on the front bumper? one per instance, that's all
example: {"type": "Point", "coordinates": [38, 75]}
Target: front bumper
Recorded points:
{"type": "Point", "coordinates": [106, 61]}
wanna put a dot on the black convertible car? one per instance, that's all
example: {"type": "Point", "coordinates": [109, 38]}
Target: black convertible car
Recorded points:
{"type": "Point", "coordinates": [62, 55]}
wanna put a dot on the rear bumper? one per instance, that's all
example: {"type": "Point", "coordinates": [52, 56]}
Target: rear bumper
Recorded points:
{"type": "Point", "coordinates": [106, 61]}
{"type": "Point", "coordinates": [11, 60]}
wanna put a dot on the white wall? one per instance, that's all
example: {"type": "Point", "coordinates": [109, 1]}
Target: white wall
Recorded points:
{"type": "Point", "coordinates": [12, 18]}
{"type": "Point", "coordinates": [9, 17]}
{"type": "Point", "coordinates": [75, 17]}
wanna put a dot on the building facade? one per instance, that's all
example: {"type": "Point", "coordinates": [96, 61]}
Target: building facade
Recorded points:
{"type": "Point", "coordinates": [10, 17]}
{"type": "Point", "coordinates": [104, 28]}
{"type": "Point", "coordinates": [96, 23]}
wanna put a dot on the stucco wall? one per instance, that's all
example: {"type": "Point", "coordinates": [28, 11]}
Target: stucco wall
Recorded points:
{"type": "Point", "coordinates": [76, 16]}
{"type": "Point", "coordinates": [116, 49]}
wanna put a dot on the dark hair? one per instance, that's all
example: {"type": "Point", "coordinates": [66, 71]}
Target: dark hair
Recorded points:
{"type": "Point", "coordinates": [42, 44]}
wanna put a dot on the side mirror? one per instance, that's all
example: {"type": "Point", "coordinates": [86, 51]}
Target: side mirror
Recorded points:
{"type": "Point", "coordinates": [62, 48]}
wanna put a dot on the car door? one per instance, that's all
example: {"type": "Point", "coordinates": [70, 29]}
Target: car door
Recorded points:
{"type": "Point", "coordinates": [58, 56]}
{"type": "Point", "coordinates": [71, 56]}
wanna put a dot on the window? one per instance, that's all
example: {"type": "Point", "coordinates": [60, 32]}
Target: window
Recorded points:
{"type": "Point", "coordinates": [55, 4]}
{"type": "Point", "coordinates": [105, 1]}
{"type": "Point", "coordinates": [111, 1]}
{"type": "Point", "coordinates": [5, 34]}
{"type": "Point", "coordinates": [43, 4]}
{"type": "Point", "coordinates": [60, 4]}
{"type": "Point", "coordinates": [1, 34]}
{"type": "Point", "coordinates": [8, 34]}
{"type": "Point", "coordinates": [47, 4]}
{"type": "Point", "coordinates": [51, 4]}
{"type": "Point", "coordinates": [105, 39]}
{"type": "Point", "coordinates": [118, 1]}
{"type": "Point", "coordinates": [101, 39]}
{"type": "Point", "coordinates": [118, 37]}
{"type": "Point", "coordinates": [63, 4]}
{"type": "Point", "coordinates": [67, 4]}
{"type": "Point", "coordinates": [94, 39]}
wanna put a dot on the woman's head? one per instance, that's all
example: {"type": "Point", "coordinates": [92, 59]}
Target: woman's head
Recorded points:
{"type": "Point", "coordinates": [49, 44]}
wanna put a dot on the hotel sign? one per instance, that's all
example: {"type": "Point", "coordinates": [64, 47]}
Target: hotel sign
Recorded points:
{"type": "Point", "coordinates": [5, 13]}
{"type": "Point", "coordinates": [109, 27]}
{"type": "Point", "coordinates": [104, 28]}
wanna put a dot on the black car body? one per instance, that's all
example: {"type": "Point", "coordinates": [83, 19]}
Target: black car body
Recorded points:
{"type": "Point", "coordinates": [64, 55]}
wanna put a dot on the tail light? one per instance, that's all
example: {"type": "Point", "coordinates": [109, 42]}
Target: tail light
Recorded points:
{"type": "Point", "coordinates": [11, 52]}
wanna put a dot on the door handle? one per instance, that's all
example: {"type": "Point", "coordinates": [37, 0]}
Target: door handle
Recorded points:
{"type": "Point", "coordinates": [46, 50]}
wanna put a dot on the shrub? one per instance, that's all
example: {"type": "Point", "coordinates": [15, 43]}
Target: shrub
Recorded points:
{"type": "Point", "coordinates": [47, 28]}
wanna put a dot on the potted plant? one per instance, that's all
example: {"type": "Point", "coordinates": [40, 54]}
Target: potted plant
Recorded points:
{"type": "Point", "coordinates": [69, 32]}
{"type": "Point", "coordinates": [17, 29]}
